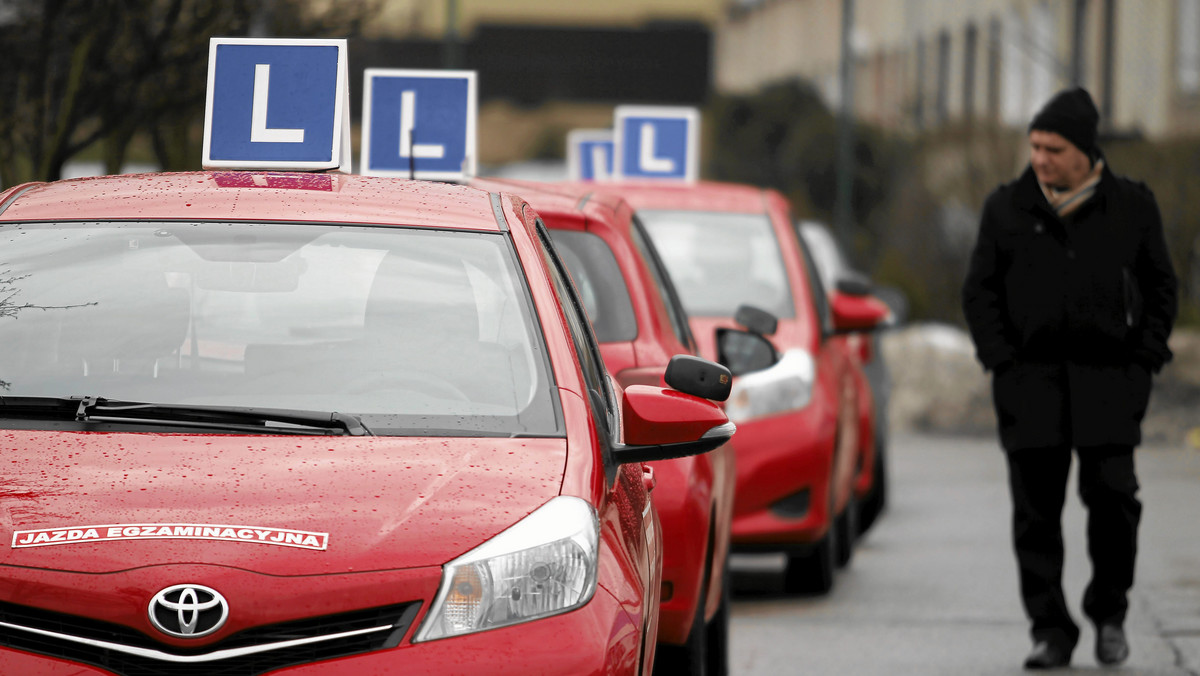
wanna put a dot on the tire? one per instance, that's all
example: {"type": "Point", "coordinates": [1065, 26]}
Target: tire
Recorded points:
{"type": "Point", "coordinates": [875, 503]}
{"type": "Point", "coordinates": [847, 531]}
{"type": "Point", "coordinates": [717, 660]}
{"type": "Point", "coordinates": [811, 572]}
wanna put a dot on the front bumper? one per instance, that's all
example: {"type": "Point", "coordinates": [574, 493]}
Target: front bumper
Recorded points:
{"type": "Point", "coordinates": [598, 638]}
{"type": "Point", "coordinates": [777, 459]}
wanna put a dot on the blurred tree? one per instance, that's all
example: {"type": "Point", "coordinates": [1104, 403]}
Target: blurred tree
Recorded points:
{"type": "Point", "coordinates": [81, 72]}
{"type": "Point", "coordinates": [784, 137]}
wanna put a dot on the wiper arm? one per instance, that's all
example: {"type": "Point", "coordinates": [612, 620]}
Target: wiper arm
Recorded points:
{"type": "Point", "coordinates": [245, 418]}
{"type": "Point", "coordinates": [85, 405]}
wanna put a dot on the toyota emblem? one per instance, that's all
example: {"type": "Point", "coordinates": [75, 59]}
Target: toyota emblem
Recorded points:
{"type": "Point", "coordinates": [188, 611]}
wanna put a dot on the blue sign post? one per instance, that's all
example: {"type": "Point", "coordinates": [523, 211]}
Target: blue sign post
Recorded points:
{"type": "Point", "coordinates": [590, 154]}
{"type": "Point", "coordinates": [419, 123]}
{"type": "Point", "coordinates": [277, 104]}
{"type": "Point", "coordinates": [657, 143]}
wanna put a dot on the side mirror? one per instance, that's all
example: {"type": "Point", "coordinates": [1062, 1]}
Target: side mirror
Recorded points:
{"type": "Point", "coordinates": [854, 285]}
{"type": "Point", "coordinates": [897, 302]}
{"type": "Point", "coordinates": [857, 312]}
{"type": "Point", "coordinates": [756, 320]}
{"type": "Point", "coordinates": [660, 424]}
{"type": "Point", "coordinates": [744, 351]}
{"type": "Point", "coordinates": [698, 377]}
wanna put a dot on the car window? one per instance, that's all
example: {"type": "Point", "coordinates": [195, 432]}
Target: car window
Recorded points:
{"type": "Point", "coordinates": [601, 286]}
{"type": "Point", "coordinates": [590, 361]}
{"type": "Point", "coordinates": [416, 331]}
{"type": "Point", "coordinates": [662, 283]}
{"type": "Point", "coordinates": [819, 285]}
{"type": "Point", "coordinates": [719, 261]}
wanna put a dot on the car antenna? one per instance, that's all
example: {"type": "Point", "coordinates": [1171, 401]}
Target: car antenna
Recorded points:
{"type": "Point", "coordinates": [412, 155]}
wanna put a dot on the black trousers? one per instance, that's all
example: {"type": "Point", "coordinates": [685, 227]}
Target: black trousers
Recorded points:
{"type": "Point", "coordinates": [1108, 487]}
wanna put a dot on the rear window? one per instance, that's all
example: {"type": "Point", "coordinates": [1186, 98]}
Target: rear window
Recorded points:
{"type": "Point", "coordinates": [601, 285]}
{"type": "Point", "coordinates": [416, 331]}
{"type": "Point", "coordinates": [719, 261]}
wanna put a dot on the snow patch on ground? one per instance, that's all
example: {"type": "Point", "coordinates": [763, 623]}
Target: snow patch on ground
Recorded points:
{"type": "Point", "coordinates": [938, 386]}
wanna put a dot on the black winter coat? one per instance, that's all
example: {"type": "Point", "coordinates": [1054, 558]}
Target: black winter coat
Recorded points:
{"type": "Point", "coordinates": [1073, 315]}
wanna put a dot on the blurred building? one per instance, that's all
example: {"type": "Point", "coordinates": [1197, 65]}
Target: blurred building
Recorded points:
{"type": "Point", "coordinates": [433, 18]}
{"type": "Point", "coordinates": [921, 64]}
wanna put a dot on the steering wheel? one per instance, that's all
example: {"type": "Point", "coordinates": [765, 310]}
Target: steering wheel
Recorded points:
{"type": "Point", "coordinates": [413, 381]}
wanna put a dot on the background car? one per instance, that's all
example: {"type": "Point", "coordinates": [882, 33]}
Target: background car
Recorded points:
{"type": "Point", "coordinates": [318, 424]}
{"type": "Point", "coordinates": [804, 415]}
{"type": "Point", "coordinates": [835, 271]}
{"type": "Point", "coordinates": [640, 324]}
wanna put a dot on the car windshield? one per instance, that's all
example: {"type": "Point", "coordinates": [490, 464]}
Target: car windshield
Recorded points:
{"type": "Point", "coordinates": [601, 285]}
{"type": "Point", "coordinates": [415, 331]}
{"type": "Point", "coordinates": [719, 261]}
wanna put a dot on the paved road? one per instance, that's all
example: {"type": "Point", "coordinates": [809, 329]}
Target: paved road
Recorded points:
{"type": "Point", "coordinates": [932, 590]}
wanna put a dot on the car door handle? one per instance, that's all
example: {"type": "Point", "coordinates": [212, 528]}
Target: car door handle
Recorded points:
{"type": "Point", "coordinates": [648, 479]}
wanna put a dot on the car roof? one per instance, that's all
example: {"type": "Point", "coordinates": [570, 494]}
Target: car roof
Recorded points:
{"type": "Point", "coordinates": [572, 199]}
{"type": "Point", "coordinates": [559, 197]}
{"type": "Point", "coordinates": [698, 196]}
{"type": "Point", "coordinates": [256, 196]}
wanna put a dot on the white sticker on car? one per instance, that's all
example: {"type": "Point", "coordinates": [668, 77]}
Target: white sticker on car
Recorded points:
{"type": "Point", "coordinates": [283, 537]}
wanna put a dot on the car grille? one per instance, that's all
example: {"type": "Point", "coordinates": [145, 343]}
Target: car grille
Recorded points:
{"type": "Point", "coordinates": [15, 618]}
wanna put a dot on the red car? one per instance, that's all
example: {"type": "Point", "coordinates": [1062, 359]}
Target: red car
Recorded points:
{"type": "Point", "coordinates": [640, 324]}
{"type": "Point", "coordinates": [836, 273]}
{"type": "Point", "coordinates": [804, 446]}
{"type": "Point", "coordinates": [318, 424]}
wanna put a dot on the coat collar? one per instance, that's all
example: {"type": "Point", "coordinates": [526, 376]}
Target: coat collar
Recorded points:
{"type": "Point", "coordinates": [1028, 196]}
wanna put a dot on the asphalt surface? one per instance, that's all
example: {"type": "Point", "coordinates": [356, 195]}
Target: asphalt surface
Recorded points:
{"type": "Point", "coordinates": [932, 589]}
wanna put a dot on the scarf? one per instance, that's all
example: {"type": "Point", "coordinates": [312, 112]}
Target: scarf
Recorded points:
{"type": "Point", "coordinates": [1065, 201]}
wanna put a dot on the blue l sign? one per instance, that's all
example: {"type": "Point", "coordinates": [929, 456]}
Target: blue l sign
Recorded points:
{"type": "Point", "coordinates": [657, 142]}
{"type": "Point", "coordinates": [419, 123]}
{"type": "Point", "coordinates": [590, 154]}
{"type": "Point", "coordinates": [277, 104]}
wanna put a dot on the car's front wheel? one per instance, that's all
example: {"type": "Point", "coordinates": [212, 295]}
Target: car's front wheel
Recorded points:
{"type": "Point", "coordinates": [876, 500]}
{"type": "Point", "coordinates": [811, 571]}
{"type": "Point", "coordinates": [718, 632]}
{"type": "Point", "coordinates": [847, 530]}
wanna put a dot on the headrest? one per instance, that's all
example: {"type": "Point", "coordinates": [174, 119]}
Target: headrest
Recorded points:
{"type": "Point", "coordinates": [131, 314]}
{"type": "Point", "coordinates": [412, 296]}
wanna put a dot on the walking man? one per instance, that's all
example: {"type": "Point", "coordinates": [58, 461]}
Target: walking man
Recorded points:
{"type": "Point", "coordinates": [1070, 297]}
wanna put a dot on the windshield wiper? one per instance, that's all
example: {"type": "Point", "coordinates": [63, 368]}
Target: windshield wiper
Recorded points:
{"type": "Point", "coordinates": [230, 418]}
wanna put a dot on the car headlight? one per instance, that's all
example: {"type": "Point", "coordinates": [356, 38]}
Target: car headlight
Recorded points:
{"type": "Point", "coordinates": [785, 386]}
{"type": "Point", "coordinates": [543, 565]}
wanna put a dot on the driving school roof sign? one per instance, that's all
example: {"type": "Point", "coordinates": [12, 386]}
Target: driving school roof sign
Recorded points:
{"type": "Point", "coordinates": [590, 154]}
{"type": "Point", "coordinates": [657, 142]}
{"type": "Point", "coordinates": [277, 104]}
{"type": "Point", "coordinates": [419, 123]}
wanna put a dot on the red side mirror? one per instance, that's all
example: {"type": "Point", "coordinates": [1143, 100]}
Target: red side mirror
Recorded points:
{"type": "Point", "coordinates": [659, 423]}
{"type": "Point", "coordinates": [858, 313]}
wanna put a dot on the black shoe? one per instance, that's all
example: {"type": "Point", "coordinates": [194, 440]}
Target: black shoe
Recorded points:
{"type": "Point", "coordinates": [1047, 655]}
{"type": "Point", "coordinates": [1111, 646]}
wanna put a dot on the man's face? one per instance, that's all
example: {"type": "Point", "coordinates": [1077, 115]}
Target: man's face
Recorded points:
{"type": "Point", "coordinates": [1056, 161]}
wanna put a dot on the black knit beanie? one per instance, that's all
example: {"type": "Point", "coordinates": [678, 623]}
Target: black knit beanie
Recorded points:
{"type": "Point", "coordinates": [1072, 115]}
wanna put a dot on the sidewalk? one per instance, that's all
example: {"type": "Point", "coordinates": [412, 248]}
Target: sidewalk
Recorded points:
{"type": "Point", "coordinates": [933, 589]}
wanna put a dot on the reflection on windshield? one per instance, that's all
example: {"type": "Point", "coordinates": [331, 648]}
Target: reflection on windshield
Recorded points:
{"type": "Point", "coordinates": [411, 329]}
{"type": "Point", "coordinates": [719, 261]}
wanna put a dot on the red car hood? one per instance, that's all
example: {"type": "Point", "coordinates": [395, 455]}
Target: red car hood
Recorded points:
{"type": "Point", "coordinates": [99, 502]}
